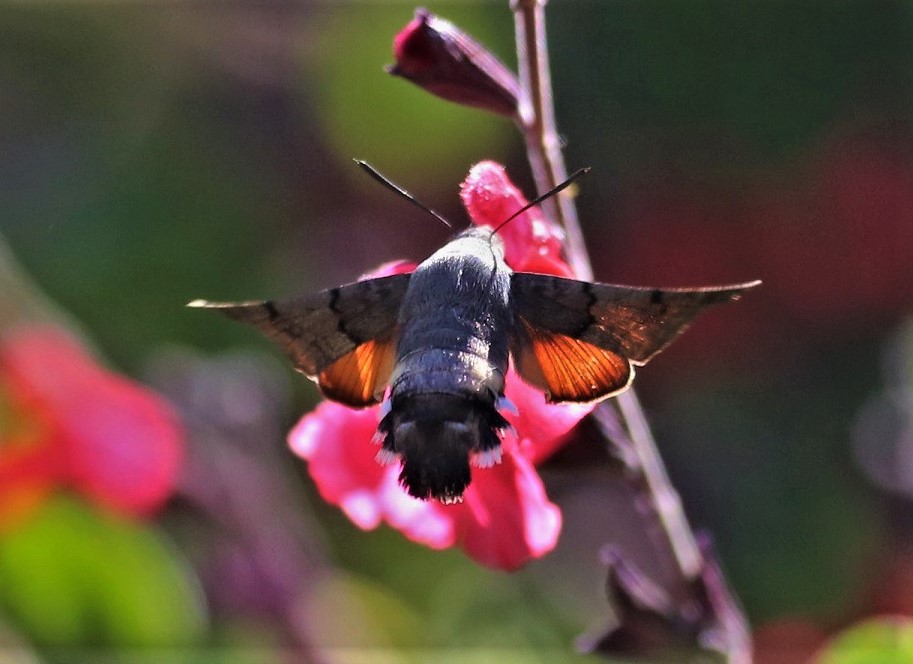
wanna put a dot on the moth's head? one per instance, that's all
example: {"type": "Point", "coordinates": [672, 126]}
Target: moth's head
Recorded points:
{"type": "Point", "coordinates": [435, 457]}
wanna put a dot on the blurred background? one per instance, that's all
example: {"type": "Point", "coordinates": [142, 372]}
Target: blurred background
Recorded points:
{"type": "Point", "coordinates": [150, 155]}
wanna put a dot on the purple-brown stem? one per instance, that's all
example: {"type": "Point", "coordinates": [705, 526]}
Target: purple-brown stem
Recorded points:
{"type": "Point", "coordinates": [536, 118]}
{"type": "Point", "coordinates": [672, 535]}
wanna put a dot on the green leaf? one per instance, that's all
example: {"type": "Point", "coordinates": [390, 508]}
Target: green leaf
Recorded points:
{"type": "Point", "coordinates": [75, 577]}
{"type": "Point", "coordinates": [886, 640]}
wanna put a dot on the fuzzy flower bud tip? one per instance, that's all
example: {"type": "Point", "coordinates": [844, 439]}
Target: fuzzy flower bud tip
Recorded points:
{"type": "Point", "coordinates": [442, 59]}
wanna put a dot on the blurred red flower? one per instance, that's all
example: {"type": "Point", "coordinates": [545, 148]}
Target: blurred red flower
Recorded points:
{"type": "Point", "coordinates": [505, 518]}
{"type": "Point", "coordinates": [65, 421]}
{"type": "Point", "coordinates": [838, 254]}
{"type": "Point", "coordinates": [833, 244]}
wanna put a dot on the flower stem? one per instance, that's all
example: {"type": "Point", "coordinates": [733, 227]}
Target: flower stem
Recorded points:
{"type": "Point", "coordinates": [536, 118]}
{"type": "Point", "coordinates": [675, 541]}
{"type": "Point", "coordinates": [664, 498]}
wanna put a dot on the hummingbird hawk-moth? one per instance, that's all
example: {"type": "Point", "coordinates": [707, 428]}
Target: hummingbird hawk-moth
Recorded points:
{"type": "Point", "coordinates": [441, 338]}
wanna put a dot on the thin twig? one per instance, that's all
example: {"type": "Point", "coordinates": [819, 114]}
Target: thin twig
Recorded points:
{"type": "Point", "coordinates": [536, 118]}
{"type": "Point", "coordinates": [664, 497]}
{"type": "Point", "coordinates": [676, 541]}
{"type": "Point", "coordinates": [538, 121]}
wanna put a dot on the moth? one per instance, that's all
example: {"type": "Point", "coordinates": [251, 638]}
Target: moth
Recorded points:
{"type": "Point", "coordinates": [441, 339]}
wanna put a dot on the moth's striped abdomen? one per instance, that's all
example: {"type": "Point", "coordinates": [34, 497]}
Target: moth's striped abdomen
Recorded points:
{"type": "Point", "coordinates": [451, 360]}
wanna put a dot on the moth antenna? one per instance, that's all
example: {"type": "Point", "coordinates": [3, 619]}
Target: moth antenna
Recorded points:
{"type": "Point", "coordinates": [374, 173]}
{"type": "Point", "coordinates": [551, 192]}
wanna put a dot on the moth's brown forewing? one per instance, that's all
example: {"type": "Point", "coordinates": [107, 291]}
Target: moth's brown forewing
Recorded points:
{"type": "Point", "coordinates": [342, 338]}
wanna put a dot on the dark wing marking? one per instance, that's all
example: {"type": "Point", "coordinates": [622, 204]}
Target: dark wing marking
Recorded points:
{"type": "Point", "coordinates": [318, 330]}
{"type": "Point", "coordinates": [630, 322]}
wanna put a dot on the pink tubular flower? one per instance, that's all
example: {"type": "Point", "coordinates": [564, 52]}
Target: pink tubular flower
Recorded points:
{"type": "Point", "coordinates": [505, 518]}
{"type": "Point", "coordinates": [66, 421]}
{"type": "Point", "coordinates": [532, 243]}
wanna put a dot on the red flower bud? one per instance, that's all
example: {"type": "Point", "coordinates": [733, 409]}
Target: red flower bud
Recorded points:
{"type": "Point", "coordinates": [439, 57]}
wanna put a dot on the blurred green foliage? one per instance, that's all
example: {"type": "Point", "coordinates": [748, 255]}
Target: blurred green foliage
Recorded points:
{"type": "Point", "coordinates": [879, 641]}
{"type": "Point", "coordinates": [74, 578]}
{"type": "Point", "coordinates": [725, 87]}
{"type": "Point", "coordinates": [365, 113]}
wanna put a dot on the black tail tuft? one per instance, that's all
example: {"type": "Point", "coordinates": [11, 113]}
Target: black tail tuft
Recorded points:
{"type": "Point", "coordinates": [442, 475]}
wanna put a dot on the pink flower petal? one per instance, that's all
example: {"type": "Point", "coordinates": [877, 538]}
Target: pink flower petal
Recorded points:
{"type": "Point", "coordinates": [362, 509]}
{"type": "Point", "coordinates": [336, 442]}
{"type": "Point", "coordinates": [541, 426]}
{"type": "Point", "coordinates": [421, 521]}
{"type": "Point", "coordinates": [506, 519]}
{"type": "Point", "coordinates": [390, 268]}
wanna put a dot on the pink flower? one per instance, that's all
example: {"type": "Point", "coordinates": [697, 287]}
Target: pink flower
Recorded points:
{"type": "Point", "coordinates": [505, 518]}
{"type": "Point", "coordinates": [532, 243]}
{"type": "Point", "coordinates": [68, 422]}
